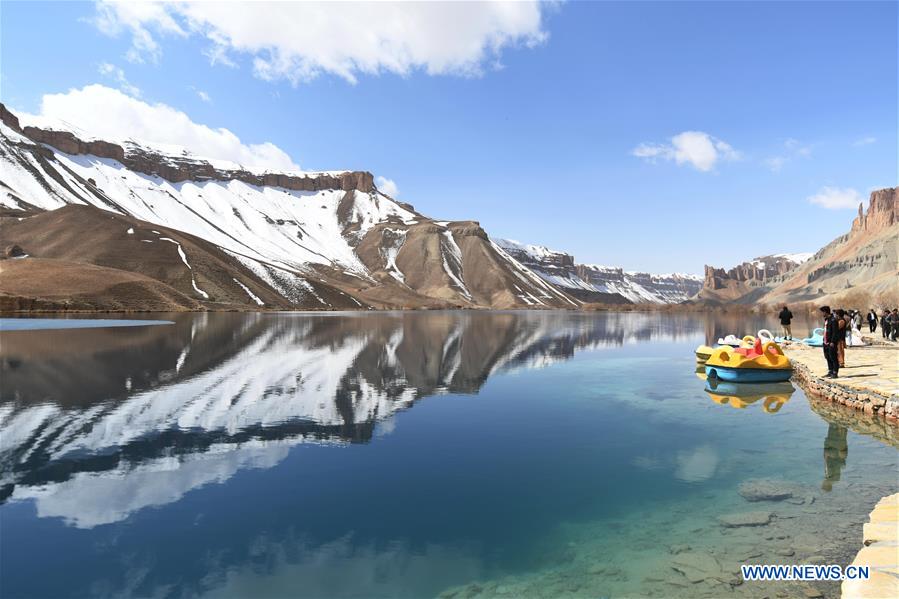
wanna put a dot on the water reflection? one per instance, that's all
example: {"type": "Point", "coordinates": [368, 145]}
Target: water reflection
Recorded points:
{"type": "Point", "coordinates": [836, 449]}
{"type": "Point", "coordinates": [741, 395]}
{"type": "Point", "coordinates": [98, 423]}
{"type": "Point", "coordinates": [321, 489]}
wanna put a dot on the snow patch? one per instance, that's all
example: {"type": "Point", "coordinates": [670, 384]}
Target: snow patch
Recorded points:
{"type": "Point", "coordinates": [452, 262]}
{"type": "Point", "coordinates": [252, 295]}
{"type": "Point", "coordinates": [391, 250]}
{"type": "Point", "coordinates": [181, 253]}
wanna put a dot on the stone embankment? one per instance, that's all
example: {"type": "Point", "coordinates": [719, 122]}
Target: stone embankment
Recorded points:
{"type": "Point", "coordinates": [869, 382]}
{"type": "Point", "coordinates": [880, 553]}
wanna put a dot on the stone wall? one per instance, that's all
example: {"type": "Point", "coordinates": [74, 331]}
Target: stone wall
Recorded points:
{"type": "Point", "coordinates": [868, 402]}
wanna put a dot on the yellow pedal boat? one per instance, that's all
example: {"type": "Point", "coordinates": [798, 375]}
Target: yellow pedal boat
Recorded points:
{"type": "Point", "coordinates": [767, 364]}
{"type": "Point", "coordinates": [704, 352]}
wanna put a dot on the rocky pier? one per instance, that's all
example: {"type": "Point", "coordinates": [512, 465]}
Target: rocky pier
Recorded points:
{"type": "Point", "coordinates": [869, 382]}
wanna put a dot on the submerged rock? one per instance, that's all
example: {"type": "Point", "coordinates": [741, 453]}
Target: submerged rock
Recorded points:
{"type": "Point", "coordinates": [696, 567]}
{"type": "Point", "coordinates": [758, 518]}
{"type": "Point", "coordinates": [765, 490]}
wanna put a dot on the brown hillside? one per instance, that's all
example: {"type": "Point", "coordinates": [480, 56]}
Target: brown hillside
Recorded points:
{"type": "Point", "coordinates": [91, 236]}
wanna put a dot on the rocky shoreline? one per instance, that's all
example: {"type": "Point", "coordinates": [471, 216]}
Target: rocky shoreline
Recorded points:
{"type": "Point", "coordinates": [879, 552]}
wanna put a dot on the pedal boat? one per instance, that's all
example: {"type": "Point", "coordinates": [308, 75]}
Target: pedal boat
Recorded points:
{"type": "Point", "coordinates": [817, 338]}
{"type": "Point", "coordinates": [703, 353]}
{"type": "Point", "coordinates": [734, 341]}
{"type": "Point", "coordinates": [760, 364]}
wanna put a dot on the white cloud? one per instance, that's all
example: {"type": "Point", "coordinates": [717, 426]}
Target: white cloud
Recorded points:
{"type": "Point", "coordinates": [865, 141]}
{"type": "Point", "coordinates": [834, 198]}
{"type": "Point", "coordinates": [109, 114]}
{"type": "Point", "coordinates": [775, 163]}
{"type": "Point", "coordinates": [299, 41]}
{"type": "Point", "coordinates": [387, 186]}
{"type": "Point", "coordinates": [796, 147]}
{"type": "Point", "coordinates": [118, 75]}
{"type": "Point", "coordinates": [203, 95]}
{"type": "Point", "coordinates": [699, 149]}
{"type": "Point", "coordinates": [792, 149]}
{"type": "Point", "coordinates": [113, 18]}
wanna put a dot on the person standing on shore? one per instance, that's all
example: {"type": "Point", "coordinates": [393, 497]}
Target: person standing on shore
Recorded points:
{"type": "Point", "coordinates": [885, 324]}
{"type": "Point", "coordinates": [872, 321]}
{"type": "Point", "coordinates": [840, 339]}
{"type": "Point", "coordinates": [786, 317]}
{"type": "Point", "coordinates": [829, 346]}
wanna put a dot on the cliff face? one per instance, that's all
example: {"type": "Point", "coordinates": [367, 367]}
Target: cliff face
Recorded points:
{"type": "Point", "coordinates": [746, 280]}
{"type": "Point", "coordinates": [602, 284]}
{"type": "Point", "coordinates": [883, 213]}
{"type": "Point", "coordinates": [184, 168]}
{"type": "Point", "coordinates": [865, 258]}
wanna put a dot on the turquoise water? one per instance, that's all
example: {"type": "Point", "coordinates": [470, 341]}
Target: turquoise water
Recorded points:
{"type": "Point", "coordinates": [40, 324]}
{"type": "Point", "coordinates": [411, 454]}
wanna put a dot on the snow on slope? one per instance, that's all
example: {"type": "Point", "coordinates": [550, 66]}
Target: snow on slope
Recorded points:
{"type": "Point", "coordinates": [559, 269]}
{"type": "Point", "coordinates": [278, 233]}
{"type": "Point", "coordinates": [797, 258]}
{"type": "Point", "coordinates": [287, 227]}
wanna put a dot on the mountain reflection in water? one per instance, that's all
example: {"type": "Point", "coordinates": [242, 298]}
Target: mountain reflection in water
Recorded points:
{"type": "Point", "coordinates": [141, 416]}
{"type": "Point", "coordinates": [278, 454]}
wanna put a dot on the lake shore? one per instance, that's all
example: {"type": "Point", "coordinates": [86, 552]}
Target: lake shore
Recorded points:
{"type": "Point", "coordinates": [869, 382]}
{"type": "Point", "coordinates": [879, 539]}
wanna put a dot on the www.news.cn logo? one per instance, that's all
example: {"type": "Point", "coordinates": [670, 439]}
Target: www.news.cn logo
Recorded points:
{"type": "Point", "coordinates": [804, 572]}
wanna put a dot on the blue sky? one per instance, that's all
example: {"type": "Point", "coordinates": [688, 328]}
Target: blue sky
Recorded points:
{"type": "Point", "coordinates": [566, 128]}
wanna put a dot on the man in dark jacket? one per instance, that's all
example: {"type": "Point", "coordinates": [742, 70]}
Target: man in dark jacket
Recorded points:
{"type": "Point", "coordinates": [786, 317]}
{"type": "Point", "coordinates": [831, 334]}
{"type": "Point", "coordinates": [842, 330]}
{"type": "Point", "coordinates": [872, 321]}
{"type": "Point", "coordinates": [885, 324]}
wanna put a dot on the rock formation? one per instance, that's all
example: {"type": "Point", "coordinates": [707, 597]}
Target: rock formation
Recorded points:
{"type": "Point", "coordinates": [602, 284]}
{"type": "Point", "coordinates": [864, 259]}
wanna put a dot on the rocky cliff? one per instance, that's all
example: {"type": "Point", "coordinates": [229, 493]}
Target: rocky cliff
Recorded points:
{"type": "Point", "coordinates": [865, 259]}
{"type": "Point", "coordinates": [743, 279]}
{"type": "Point", "coordinates": [602, 284]}
{"type": "Point", "coordinates": [142, 159]}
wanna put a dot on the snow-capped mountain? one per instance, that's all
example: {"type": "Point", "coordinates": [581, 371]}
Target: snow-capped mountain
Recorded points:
{"type": "Point", "coordinates": [605, 284]}
{"type": "Point", "coordinates": [305, 237]}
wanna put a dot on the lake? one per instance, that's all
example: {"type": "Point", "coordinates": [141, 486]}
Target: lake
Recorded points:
{"type": "Point", "coordinates": [467, 454]}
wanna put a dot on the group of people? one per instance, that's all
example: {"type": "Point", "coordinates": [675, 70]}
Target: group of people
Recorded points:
{"type": "Point", "coordinates": [889, 323]}
{"type": "Point", "coordinates": [839, 326]}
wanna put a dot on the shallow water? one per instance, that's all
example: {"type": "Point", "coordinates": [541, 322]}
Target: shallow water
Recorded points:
{"type": "Point", "coordinates": [412, 454]}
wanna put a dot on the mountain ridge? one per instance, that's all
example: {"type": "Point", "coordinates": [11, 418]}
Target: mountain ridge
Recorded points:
{"type": "Point", "coordinates": [332, 240]}
{"type": "Point", "coordinates": [864, 260]}
{"type": "Point", "coordinates": [602, 284]}
{"type": "Point", "coordinates": [334, 230]}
